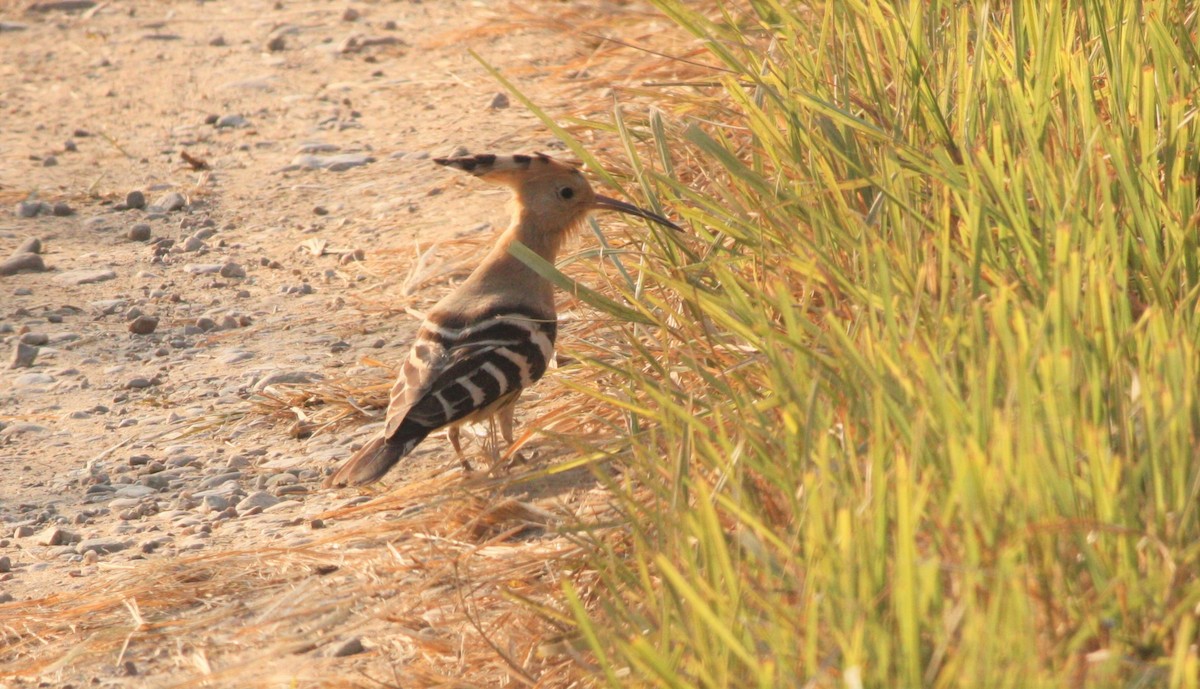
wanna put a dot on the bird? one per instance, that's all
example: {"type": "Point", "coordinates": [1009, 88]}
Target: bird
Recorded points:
{"type": "Point", "coordinates": [493, 336]}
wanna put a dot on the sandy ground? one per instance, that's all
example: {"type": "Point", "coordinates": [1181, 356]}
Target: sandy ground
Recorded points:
{"type": "Point", "coordinates": [282, 153]}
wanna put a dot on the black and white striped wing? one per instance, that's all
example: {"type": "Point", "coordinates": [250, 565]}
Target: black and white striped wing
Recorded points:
{"type": "Point", "coordinates": [456, 370]}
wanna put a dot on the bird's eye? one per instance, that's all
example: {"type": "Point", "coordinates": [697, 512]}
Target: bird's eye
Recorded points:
{"type": "Point", "coordinates": [566, 192]}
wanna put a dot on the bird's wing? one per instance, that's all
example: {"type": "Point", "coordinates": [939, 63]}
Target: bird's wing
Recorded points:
{"type": "Point", "coordinates": [454, 370]}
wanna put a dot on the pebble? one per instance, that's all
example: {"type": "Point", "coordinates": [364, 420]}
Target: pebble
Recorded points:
{"type": "Point", "coordinates": [34, 338]}
{"type": "Point", "coordinates": [234, 357]}
{"type": "Point", "coordinates": [303, 288]}
{"type": "Point", "coordinates": [171, 201]}
{"type": "Point", "coordinates": [499, 101]}
{"type": "Point", "coordinates": [350, 14]}
{"type": "Point", "coordinates": [352, 256]}
{"type": "Point", "coordinates": [139, 232]}
{"type": "Point", "coordinates": [26, 380]}
{"type": "Point", "coordinates": [62, 209]}
{"type": "Point", "coordinates": [193, 243]}
{"type": "Point", "coordinates": [84, 277]}
{"type": "Point", "coordinates": [135, 490]}
{"type": "Point", "coordinates": [29, 209]}
{"type": "Point", "coordinates": [333, 163]}
{"type": "Point", "coordinates": [22, 428]}
{"type": "Point", "coordinates": [49, 161]}
{"type": "Point", "coordinates": [214, 503]}
{"type": "Point", "coordinates": [135, 199]}
{"type": "Point", "coordinates": [203, 268]}
{"type": "Point", "coordinates": [297, 377]}
{"type": "Point", "coordinates": [256, 502]}
{"type": "Point", "coordinates": [5, 564]}
{"type": "Point", "coordinates": [232, 270]}
{"type": "Point", "coordinates": [32, 245]}
{"type": "Point", "coordinates": [220, 479]}
{"type": "Point", "coordinates": [231, 122]}
{"type": "Point", "coordinates": [22, 263]}
{"type": "Point", "coordinates": [138, 383]}
{"type": "Point", "coordinates": [217, 41]}
{"type": "Point", "coordinates": [103, 545]}
{"type": "Point", "coordinates": [55, 536]}
{"type": "Point", "coordinates": [143, 325]}
{"type": "Point", "coordinates": [23, 355]}
{"type": "Point", "coordinates": [204, 323]}
{"type": "Point", "coordinates": [348, 647]}
{"type": "Point", "coordinates": [318, 147]}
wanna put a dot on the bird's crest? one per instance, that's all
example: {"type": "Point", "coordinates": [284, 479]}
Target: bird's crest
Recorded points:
{"type": "Point", "coordinates": [505, 167]}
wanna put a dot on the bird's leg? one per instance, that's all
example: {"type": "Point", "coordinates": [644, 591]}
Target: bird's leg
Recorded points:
{"type": "Point", "coordinates": [453, 434]}
{"type": "Point", "coordinates": [505, 417]}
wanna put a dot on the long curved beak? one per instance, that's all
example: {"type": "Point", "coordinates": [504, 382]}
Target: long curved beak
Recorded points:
{"type": "Point", "coordinates": [603, 202]}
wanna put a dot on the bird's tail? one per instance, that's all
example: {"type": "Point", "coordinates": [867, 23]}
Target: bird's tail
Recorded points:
{"type": "Point", "coordinates": [371, 462]}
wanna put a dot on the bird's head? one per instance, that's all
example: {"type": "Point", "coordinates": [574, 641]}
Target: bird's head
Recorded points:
{"type": "Point", "coordinates": [553, 195]}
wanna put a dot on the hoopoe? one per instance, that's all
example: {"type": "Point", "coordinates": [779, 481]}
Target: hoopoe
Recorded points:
{"type": "Point", "coordinates": [493, 336]}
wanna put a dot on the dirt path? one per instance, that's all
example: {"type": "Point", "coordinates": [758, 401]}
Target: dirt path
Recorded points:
{"type": "Point", "coordinates": [280, 151]}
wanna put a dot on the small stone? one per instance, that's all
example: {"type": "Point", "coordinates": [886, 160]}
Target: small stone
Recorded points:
{"type": "Point", "coordinates": [139, 232]}
{"type": "Point", "coordinates": [70, 146]}
{"type": "Point", "coordinates": [101, 545]}
{"type": "Point", "coordinates": [288, 378]}
{"type": "Point", "coordinates": [84, 277]}
{"type": "Point", "coordinates": [19, 263]}
{"type": "Point", "coordinates": [204, 323]}
{"type": "Point", "coordinates": [378, 343]}
{"type": "Point", "coordinates": [203, 268]}
{"type": "Point", "coordinates": [228, 323]}
{"type": "Point", "coordinates": [135, 199]}
{"type": "Point", "coordinates": [193, 243]}
{"type": "Point", "coordinates": [320, 210]}
{"type": "Point", "coordinates": [232, 270]}
{"type": "Point", "coordinates": [257, 501]}
{"type": "Point", "coordinates": [138, 383]}
{"type": "Point", "coordinates": [214, 503]}
{"type": "Point", "coordinates": [35, 339]}
{"type": "Point", "coordinates": [23, 355]}
{"type": "Point", "coordinates": [231, 121]}
{"type": "Point", "coordinates": [347, 648]}
{"type": "Point", "coordinates": [350, 15]}
{"type": "Point", "coordinates": [171, 201]}
{"type": "Point", "coordinates": [333, 163]}
{"type": "Point", "coordinates": [143, 325]}
{"type": "Point", "coordinates": [61, 6]}
{"type": "Point", "coordinates": [139, 460]}
{"type": "Point", "coordinates": [234, 357]}
{"type": "Point", "coordinates": [62, 210]}
{"type": "Point", "coordinates": [31, 245]}
{"type": "Point", "coordinates": [49, 161]}
{"type": "Point", "coordinates": [28, 209]}
{"type": "Point", "coordinates": [499, 101]}
{"type": "Point", "coordinates": [28, 380]}
{"type": "Point", "coordinates": [55, 536]}
{"type": "Point", "coordinates": [276, 43]}
{"type": "Point", "coordinates": [352, 256]}
{"type": "Point", "coordinates": [217, 41]}
{"type": "Point", "coordinates": [5, 564]}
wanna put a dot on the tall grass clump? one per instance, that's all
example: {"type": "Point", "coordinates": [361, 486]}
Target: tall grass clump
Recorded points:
{"type": "Point", "coordinates": [917, 400]}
